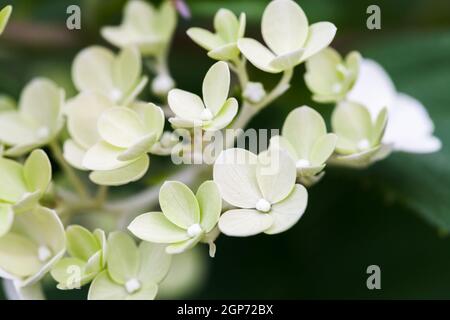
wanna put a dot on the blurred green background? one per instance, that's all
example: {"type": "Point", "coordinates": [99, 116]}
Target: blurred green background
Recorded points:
{"type": "Point", "coordinates": [395, 214]}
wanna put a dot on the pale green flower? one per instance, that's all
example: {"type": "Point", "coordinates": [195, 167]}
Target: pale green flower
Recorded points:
{"type": "Point", "coordinates": [34, 244]}
{"type": "Point", "coordinates": [87, 252]}
{"type": "Point", "coordinates": [215, 111]}
{"type": "Point", "coordinates": [359, 138]}
{"type": "Point", "coordinates": [264, 190]}
{"type": "Point", "coordinates": [133, 273]}
{"type": "Point", "coordinates": [305, 138]}
{"type": "Point", "coordinates": [185, 220]}
{"type": "Point", "coordinates": [221, 45]}
{"type": "Point", "coordinates": [145, 27]}
{"type": "Point", "coordinates": [37, 120]}
{"type": "Point", "coordinates": [290, 38]}
{"type": "Point", "coordinates": [329, 77]}
{"type": "Point", "coordinates": [5, 13]}
{"type": "Point", "coordinates": [118, 77]}
{"type": "Point", "coordinates": [111, 141]}
{"type": "Point", "coordinates": [21, 186]}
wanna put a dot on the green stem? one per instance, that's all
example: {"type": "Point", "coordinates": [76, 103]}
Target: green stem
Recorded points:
{"type": "Point", "coordinates": [282, 86]}
{"type": "Point", "coordinates": [69, 171]}
{"type": "Point", "coordinates": [241, 71]}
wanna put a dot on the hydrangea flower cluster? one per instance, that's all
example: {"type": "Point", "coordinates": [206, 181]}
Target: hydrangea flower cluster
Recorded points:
{"type": "Point", "coordinates": [107, 130]}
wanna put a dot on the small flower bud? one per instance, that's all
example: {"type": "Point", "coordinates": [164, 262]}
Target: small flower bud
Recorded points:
{"type": "Point", "coordinates": [162, 84]}
{"type": "Point", "coordinates": [254, 92]}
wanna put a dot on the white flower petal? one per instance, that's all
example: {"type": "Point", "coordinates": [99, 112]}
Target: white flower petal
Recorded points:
{"type": "Point", "coordinates": [120, 127]}
{"type": "Point", "coordinates": [225, 116]}
{"type": "Point", "coordinates": [179, 204]}
{"type": "Point", "coordinates": [104, 288]}
{"type": "Point", "coordinates": [235, 175]}
{"type": "Point", "coordinates": [410, 128]}
{"type": "Point", "coordinates": [319, 37]}
{"type": "Point", "coordinates": [103, 156]}
{"type": "Point", "coordinates": [83, 112]}
{"type": "Point", "coordinates": [122, 256]}
{"type": "Point", "coordinates": [287, 212]}
{"type": "Point", "coordinates": [12, 182]}
{"type": "Point", "coordinates": [373, 88]}
{"type": "Point", "coordinates": [155, 227]}
{"type": "Point", "coordinates": [154, 263]}
{"type": "Point", "coordinates": [185, 105]}
{"type": "Point", "coordinates": [74, 154]}
{"type": "Point", "coordinates": [129, 173]}
{"type": "Point", "coordinates": [284, 26]}
{"type": "Point", "coordinates": [204, 38]}
{"type": "Point", "coordinates": [276, 174]}
{"type": "Point", "coordinates": [216, 86]}
{"type": "Point", "coordinates": [244, 222]}
{"type": "Point", "coordinates": [303, 127]}
{"type": "Point", "coordinates": [210, 203]}
{"type": "Point", "coordinates": [6, 218]}
{"type": "Point", "coordinates": [181, 247]}
{"type": "Point", "coordinates": [92, 70]}
{"type": "Point", "coordinates": [257, 54]}
{"type": "Point", "coordinates": [15, 129]}
{"type": "Point", "coordinates": [287, 60]}
{"type": "Point", "coordinates": [42, 100]}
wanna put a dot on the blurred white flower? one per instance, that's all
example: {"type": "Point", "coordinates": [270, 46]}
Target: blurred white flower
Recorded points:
{"type": "Point", "coordinates": [409, 128]}
{"type": "Point", "coordinates": [145, 27]}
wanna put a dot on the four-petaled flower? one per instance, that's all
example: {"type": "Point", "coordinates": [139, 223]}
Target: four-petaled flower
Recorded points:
{"type": "Point", "coordinates": [359, 138]}
{"type": "Point", "coordinates": [87, 252]}
{"type": "Point", "coordinates": [37, 120]}
{"type": "Point", "coordinates": [290, 38]}
{"type": "Point", "coordinates": [185, 220]}
{"type": "Point", "coordinates": [145, 27]}
{"type": "Point", "coordinates": [21, 186]}
{"type": "Point", "coordinates": [221, 45]}
{"type": "Point", "coordinates": [264, 190]}
{"type": "Point", "coordinates": [133, 272]}
{"type": "Point", "coordinates": [305, 138]}
{"type": "Point", "coordinates": [330, 77]}
{"type": "Point", "coordinates": [34, 244]}
{"type": "Point", "coordinates": [215, 111]}
{"type": "Point", "coordinates": [118, 77]}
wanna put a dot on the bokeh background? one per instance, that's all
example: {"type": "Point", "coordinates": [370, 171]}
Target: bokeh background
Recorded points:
{"type": "Point", "coordinates": [395, 214]}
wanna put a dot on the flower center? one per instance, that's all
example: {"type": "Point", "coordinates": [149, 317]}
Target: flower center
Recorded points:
{"type": "Point", "coordinates": [194, 230]}
{"type": "Point", "coordinates": [44, 253]}
{"type": "Point", "coordinates": [206, 115]}
{"type": "Point", "coordinates": [42, 132]}
{"type": "Point", "coordinates": [132, 285]}
{"type": "Point", "coordinates": [116, 94]}
{"type": "Point", "coordinates": [263, 205]}
{"type": "Point", "coordinates": [302, 163]}
{"type": "Point", "coordinates": [363, 144]}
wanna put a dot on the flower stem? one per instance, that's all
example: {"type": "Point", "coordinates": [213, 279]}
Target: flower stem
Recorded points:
{"type": "Point", "coordinates": [69, 171]}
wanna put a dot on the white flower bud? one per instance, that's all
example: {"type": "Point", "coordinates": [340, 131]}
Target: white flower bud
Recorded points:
{"type": "Point", "coordinates": [254, 92]}
{"type": "Point", "coordinates": [162, 84]}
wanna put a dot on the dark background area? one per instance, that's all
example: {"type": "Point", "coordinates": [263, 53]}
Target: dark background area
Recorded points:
{"type": "Point", "coordinates": [395, 214]}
